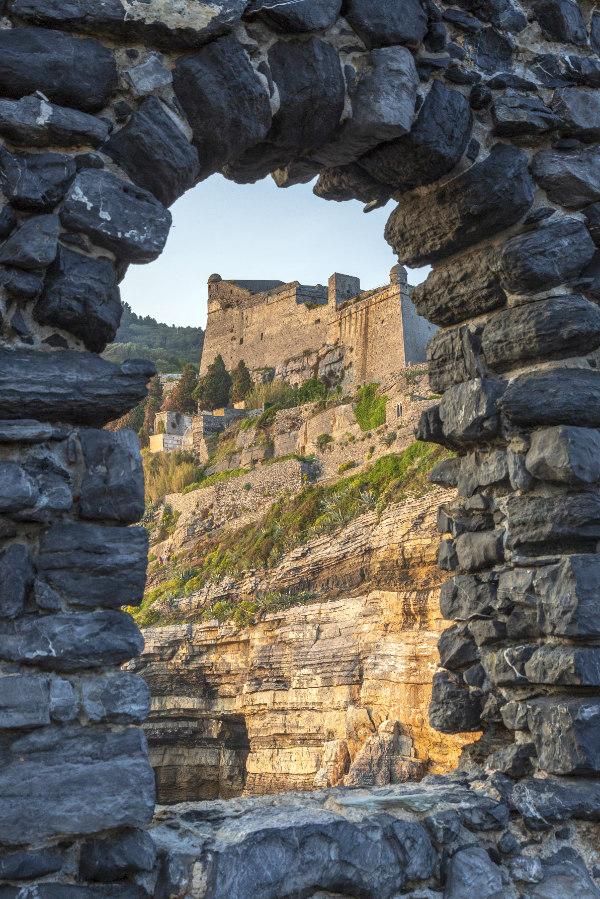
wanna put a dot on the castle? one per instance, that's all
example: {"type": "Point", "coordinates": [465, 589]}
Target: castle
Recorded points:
{"type": "Point", "coordinates": [269, 323]}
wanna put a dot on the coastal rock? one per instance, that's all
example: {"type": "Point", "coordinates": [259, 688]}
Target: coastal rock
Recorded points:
{"type": "Point", "coordinates": [387, 23]}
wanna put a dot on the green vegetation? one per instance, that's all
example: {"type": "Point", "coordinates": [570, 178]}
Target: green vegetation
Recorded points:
{"type": "Point", "coordinates": [285, 397]}
{"type": "Point", "coordinates": [168, 346]}
{"type": "Point", "coordinates": [291, 522]}
{"type": "Point", "coordinates": [241, 382]}
{"type": "Point", "coordinates": [370, 408]}
{"type": "Point", "coordinates": [168, 473]}
{"type": "Point", "coordinates": [323, 440]}
{"type": "Point", "coordinates": [214, 389]}
{"type": "Point", "coordinates": [181, 398]}
{"type": "Point", "coordinates": [218, 478]}
{"type": "Point", "coordinates": [346, 466]}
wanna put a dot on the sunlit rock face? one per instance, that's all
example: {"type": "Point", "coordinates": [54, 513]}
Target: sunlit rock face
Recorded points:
{"type": "Point", "coordinates": [108, 111]}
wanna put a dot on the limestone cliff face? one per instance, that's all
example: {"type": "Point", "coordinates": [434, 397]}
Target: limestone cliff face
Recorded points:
{"type": "Point", "coordinates": [315, 695]}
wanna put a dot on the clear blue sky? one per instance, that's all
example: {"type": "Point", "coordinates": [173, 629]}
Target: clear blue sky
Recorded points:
{"type": "Point", "coordinates": [257, 231]}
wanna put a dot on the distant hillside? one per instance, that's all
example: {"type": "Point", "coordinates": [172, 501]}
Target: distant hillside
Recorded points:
{"type": "Point", "coordinates": [168, 346]}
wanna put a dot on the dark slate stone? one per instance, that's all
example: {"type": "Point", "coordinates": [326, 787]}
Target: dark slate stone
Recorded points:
{"type": "Point", "coordinates": [482, 468]}
{"type": "Point", "coordinates": [69, 641]}
{"type": "Point", "coordinates": [558, 520]}
{"type": "Point", "coordinates": [69, 386]}
{"type": "Point", "coordinates": [565, 455]}
{"type": "Point", "coordinates": [565, 666]}
{"type": "Point", "coordinates": [64, 706]}
{"type": "Point", "coordinates": [462, 20]}
{"type": "Point", "coordinates": [457, 648]}
{"type": "Point", "coordinates": [120, 699]}
{"type": "Point", "coordinates": [445, 473]}
{"type": "Point", "coordinates": [69, 71]}
{"type": "Point", "coordinates": [454, 356]}
{"type": "Point", "coordinates": [16, 570]}
{"type": "Point", "coordinates": [81, 296]}
{"type": "Point", "coordinates": [116, 215]}
{"type": "Point", "coordinates": [35, 182]}
{"type": "Point", "coordinates": [432, 148]}
{"type": "Point", "coordinates": [429, 428]}
{"type": "Point", "coordinates": [469, 412]}
{"type": "Point", "coordinates": [491, 51]}
{"type": "Point", "coordinates": [117, 857]}
{"type": "Point", "coordinates": [465, 596]}
{"type": "Point", "coordinates": [33, 122]}
{"type": "Point", "coordinates": [553, 254]}
{"type": "Point", "coordinates": [47, 775]}
{"type": "Point", "coordinates": [480, 202]}
{"type": "Point", "coordinates": [479, 550]}
{"type": "Point", "coordinates": [568, 602]}
{"type": "Point", "coordinates": [582, 70]}
{"type": "Point", "coordinates": [294, 18]}
{"type": "Point", "coordinates": [559, 396]}
{"type": "Point", "coordinates": [459, 290]}
{"type": "Point", "coordinates": [155, 153]}
{"type": "Point", "coordinates": [20, 285]}
{"type": "Point", "coordinates": [92, 565]}
{"type": "Point", "coordinates": [453, 709]}
{"type": "Point", "coordinates": [350, 182]}
{"type": "Point", "coordinates": [416, 849]}
{"type": "Point", "coordinates": [566, 733]}
{"type": "Point", "coordinates": [592, 220]}
{"type": "Point", "coordinates": [34, 245]}
{"type": "Point", "coordinates": [8, 222]}
{"type": "Point", "coordinates": [311, 88]}
{"type": "Point", "coordinates": [24, 865]}
{"type": "Point", "coordinates": [579, 110]}
{"type": "Point", "coordinates": [55, 487]}
{"type": "Point", "coordinates": [48, 890]}
{"type": "Point", "coordinates": [18, 491]}
{"type": "Point", "coordinates": [435, 39]}
{"type": "Point", "coordinates": [552, 328]}
{"type": "Point", "coordinates": [561, 20]}
{"type": "Point", "coordinates": [113, 483]}
{"type": "Point", "coordinates": [517, 114]}
{"type": "Point", "coordinates": [485, 814]}
{"type": "Point", "coordinates": [447, 559]}
{"type": "Point", "coordinates": [546, 801]}
{"type": "Point", "coordinates": [444, 827]}
{"type": "Point", "coordinates": [588, 282]}
{"type": "Point", "coordinates": [24, 702]}
{"type": "Point", "coordinates": [503, 80]}
{"type": "Point", "coordinates": [571, 177]}
{"type": "Point", "coordinates": [386, 22]}
{"type": "Point", "coordinates": [225, 102]}
{"type": "Point", "coordinates": [563, 874]}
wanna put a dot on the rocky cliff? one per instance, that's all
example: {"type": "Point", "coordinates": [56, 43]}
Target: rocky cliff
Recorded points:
{"type": "Point", "coordinates": [334, 691]}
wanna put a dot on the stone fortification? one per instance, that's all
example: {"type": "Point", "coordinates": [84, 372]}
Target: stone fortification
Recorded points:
{"type": "Point", "coordinates": [273, 325]}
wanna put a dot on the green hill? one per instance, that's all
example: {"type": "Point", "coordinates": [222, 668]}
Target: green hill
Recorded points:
{"type": "Point", "coordinates": [141, 337]}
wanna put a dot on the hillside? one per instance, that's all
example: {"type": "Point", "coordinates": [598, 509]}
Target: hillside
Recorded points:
{"type": "Point", "coordinates": [168, 346]}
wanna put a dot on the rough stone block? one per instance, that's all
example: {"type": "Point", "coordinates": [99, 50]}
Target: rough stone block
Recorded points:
{"type": "Point", "coordinates": [225, 102]}
{"type": "Point", "coordinates": [349, 182]}
{"type": "Point", "coordinates": [568, 600]}
{"type": "Point", "coordinates": [34, 122]}
{"type": "Point", "coordinates": [480, 469]}
{"type": "Point", "coordinates": [16, 579]}
{"type": "Point", "coordinates": [564, 666]}
{"type": "Point", "coordinates": [565, 455]}
{"type": "Point", "coordinates": [555, 520]}
{"type": "Point", "coordinates": [296, 17]}
{"type": "Point", "coordinates": [569, 177]}
{"type": "Point", "coordinates": [74, 781]}
{"type": "Point", "coordinates": [472, 872]}
{"type": "Point", "coordinates": [155, 153]}
{"type": "Point", "coordinates": [69, 386]}
{"type": "Point", "coordinates": [569, 396]}
{"type": "Point", "coordinates": [64, 705]}
{"type": "Point", "coordinates": [117, 857]}
{"type": "Point", "coordinates": [386, 23]}
{"type": "Point", "coordinates": [81, 296]}
{"type": "Point", "coordinates": [515, 114]}
{"type": "Point", "coordinates": [416, 849]}
{"type": "Point", "coordinates": [453, 357]}
{"type": "Point", "coordinates": [566, 733]}
{"type": "Point", "coordinates": [92, 565]}
{"type": "Point", "coordinates": [579, 110]}
{"type": "Point", "coordinates": [122, 699]}
{"type": "Point", "coordinates": [35, 182]}
{"type": "Point", "coordinates": [33, 246]}
{"type": "Point", "coordinates": [561, 20]}
{"type": "Point", "coordinates": [460, 290]}
{"type": "Point", "coordinates": [553, 328]}
{"type": "Point", "coordinates": [457, 648]}
{"type": "Point", "coordinates": [432, 148]}
{"type": "Point", "coordinates": [469, 412]}
{"type": "Point", "coordinates": [23, 865]}
{"type": "Point", "coordinates": [453, 709]}
{"type": "Point", "coordinates": [465, 596]}
{"type": "Point", "coordinates": [480, 202]}
{"type": "Point", "coordinates": [70, 71]}
{"type": "Point", "coordinates": [113, 484]}
{"type": "Point", "coordinates": [24, 701]}
{"type": "Point", "coordinates": [18, 490]}
{"type": "Point", "coordinates": [553, 254]}
{"type": "Point", "coordinates": [478, 551]}
{"type": "Point", "coordinates": [491, 51]}
{"type": "Point", "coordinates": [592, 219]}
{"type": "Point", "coordinates": [71, 641]}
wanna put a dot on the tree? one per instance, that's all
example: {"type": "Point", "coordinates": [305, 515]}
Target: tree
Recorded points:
{"type": "Point", "coordinates": [242, 382]}
{"type": "Point", "coordinates": [181, 398]}
{"type": "Point", "coordinates": [214, 388]}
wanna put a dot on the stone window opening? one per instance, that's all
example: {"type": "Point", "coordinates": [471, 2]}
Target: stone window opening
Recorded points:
{"type": "Point", "coordinates": [398, 410]}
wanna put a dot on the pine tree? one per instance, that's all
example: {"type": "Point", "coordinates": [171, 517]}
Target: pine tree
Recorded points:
{"type": "Point", "coordinates": [181, 398]}
{"type": "Point", "coordinates": [214, 388]}
{"type": "Point", "coordinates": [242, 382]}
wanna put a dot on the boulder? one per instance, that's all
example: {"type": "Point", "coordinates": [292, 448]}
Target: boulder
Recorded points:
{"type": "Point", "coordinates": [70, 71]}
{"type": "Point", "coordinates": [477, 551]}
{"type": "Point", "coordinates": [564, 666]}
{"type": "Point", "coordinates": [469, 411]}
{"type": "Point", "coordinates": [453, 709]}
{"type": "Point", "coordinates": [465, 596]}
{"type": "Point", "coordinates": [566, 733]}
{"type": "Point", "coordinates": [553, 328]}
{"type": "Point", "coordinates": [81, 296]}
{"type": "Point", "coordinates": [294, 18]}
{"type": "Point", "coordinates": [558, 520]}
{"type": "Point", "coordinates": [487, 198]}
{"type": "Point", "coordinates": [70, 641]}
{"type": "Point", "coordinates": [34, 245]}
{"type": "Point", "coordinates": [35, 182]}
{"type": "Point", "coordinates": [565, 455]}
{"type": "Point", "coordinates": [34, 122]}
{"type": "Point", "coordinates": [67, 385]}
{"type": "Point", "coordinates": [113, 483]}
{"type": "Point", "coordinates": [454, 356]}
{"type": "Point", "coordinates": [471, 871]}
{"type": "Point", "coordinates": [155, 153]}
{"type": "Point", "coordinates": [386, 22]}
{"type": "Point", "coordinates": [569, 177]}
{"type": "Point", "coordinates": [561, 20]}
{"type": "Point", "coordinates": [548, 800]}
{"type": "Point", "coordinates": [349, 182]}
{"type": "Point", "coordinates": [556, 396]}
{"type": "Point", "coordinates": [116, 215]}
{"type": "Point", "coordinates": [18, 490]}
{"type": "Point", "coordinates": [122, 698]}
{"type": "Point", "coordinates": [226, 103]}
{"type": "Point", "coordinates": [95, 566]}
{"type": "Point", "coordinates": [482, 468]}
{"type": "Point", "coordinates": [567, 597]}
{"type": "Point", "coordinates": [515, 114]}
{"type": "Point", "coordinates": [432, 148]}
{"type": "Point", "coordinates": [445, 473]}
{"type": "Point", "coordinates": [491, 51]}
{"type": "Point", "coordinates": [457, 648]}
{"type": "Point", "coordinates": [24, 865]}
{"type": "Point", "coordinates": [553, 254]}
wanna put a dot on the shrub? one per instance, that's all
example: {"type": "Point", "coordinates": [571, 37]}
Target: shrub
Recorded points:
{"type": "Point", "coordinates": [322, 441]}
{"type": "Point", "coordinates": [346, 466]}
{"type": "Point", "coordinates": [370, 408]}
{"type": "Point", "coordinates": [388, 439]}
{"type": "Point", "coordinates": [168, 473]}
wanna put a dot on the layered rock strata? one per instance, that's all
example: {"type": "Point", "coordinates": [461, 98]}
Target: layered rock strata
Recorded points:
{"type": "Point", "coordinates": [141, 100]}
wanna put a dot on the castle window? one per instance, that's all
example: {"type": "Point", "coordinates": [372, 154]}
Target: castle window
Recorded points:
{"type": "Point", "coordinates": [317, 321]}
{"type": "Point", "coordinates": [241, 340]}
{"type": "Point", "coordinates": [398, 410]}
{"type": "Point", "coordinates": [261, 336]}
